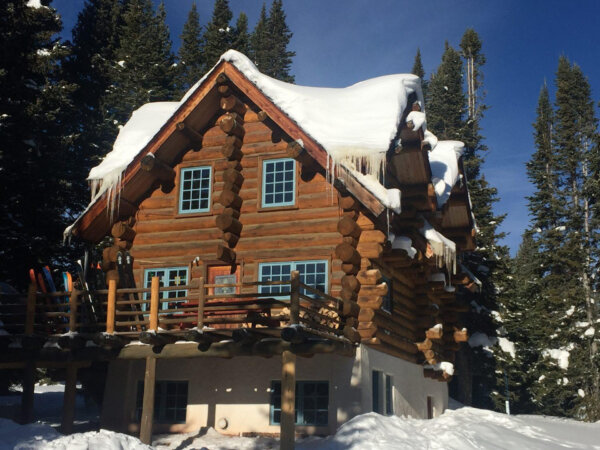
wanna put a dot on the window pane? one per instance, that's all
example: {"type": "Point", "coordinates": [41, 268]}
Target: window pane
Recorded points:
{"type": "Point", "coordinates": [195, 187]}
{"type": "Point", "coordinates": [279, 178]}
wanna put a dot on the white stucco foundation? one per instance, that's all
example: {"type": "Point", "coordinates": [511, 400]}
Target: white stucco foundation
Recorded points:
{"type": "Point", "coordinates": [238, 390]}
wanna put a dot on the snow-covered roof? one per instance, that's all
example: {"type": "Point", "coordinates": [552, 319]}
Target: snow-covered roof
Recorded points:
{"type": "Point", "coordinates": [356, 122]}
{"type": "Point", "coordinates": [443, 248]}
{"type": "Point", "coordinates": [443, 160]}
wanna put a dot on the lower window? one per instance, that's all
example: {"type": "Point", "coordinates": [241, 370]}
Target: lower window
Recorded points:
{"type": "Point", "coordinates": [383, 401]}
{"type": "Point", "coordinates": [312, 402]}
{"type": "Point", "coordinates": [170, 401]}
{"type": "Point", "coordinates": [170, 276]}
{"type": "Point", "coordinates": [312, 273]}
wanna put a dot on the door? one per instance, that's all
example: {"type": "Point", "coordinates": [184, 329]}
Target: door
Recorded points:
{"type": "Point", "coordinates": [223, 275]}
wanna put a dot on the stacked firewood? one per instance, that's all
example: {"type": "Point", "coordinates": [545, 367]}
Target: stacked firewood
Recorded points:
{"type": "Point", "coordinates": [232, 124]}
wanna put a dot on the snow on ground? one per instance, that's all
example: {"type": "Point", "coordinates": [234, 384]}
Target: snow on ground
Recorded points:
{"type": "Point", "coordinates": [462, 428]}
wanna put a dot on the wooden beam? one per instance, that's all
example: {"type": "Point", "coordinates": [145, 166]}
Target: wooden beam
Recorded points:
{"type": "Point", "coordinates": [148, 401]}
{"type": "Point", "coordinates": [28, 393]}
{"type": "Point", "coordinates": [190, 133]}
{"type": "Point", "coordinates": [66, 426]}
{"type": "Point", "coordinates": [288, 398]}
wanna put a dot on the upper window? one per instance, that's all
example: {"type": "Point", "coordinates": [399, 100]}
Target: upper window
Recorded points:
{"type": "Point", "coordinates": [171, 276]}
{"type": "Point", "coordinates": [279, 182]}
{"type": "Point", "coordinates": [194, 194]}
{"type": "Point", "coordinates": [312, 273]}
{"type": "Point", "coordinates": [312, 402]}
{"type": "Point", "coordinates": [170, 401]}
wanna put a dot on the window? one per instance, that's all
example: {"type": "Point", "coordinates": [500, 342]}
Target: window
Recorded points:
{"type": "Point", "coordinates": [312, 273]}
{"type": "Point", "coordinates": [170, 401]}
{"type": "Point", "coordinates": [171, 276]}
{"type": "Point", "coordinates": [387, 304]}
{"type": "Point", "coordinates": [383, 401]}
{"type": "Point", "coordinates": [279, 182]}
{"type": "Point", "coordinates": [194, 193]}
{"type": "Point", "coordinates": [312, 402]}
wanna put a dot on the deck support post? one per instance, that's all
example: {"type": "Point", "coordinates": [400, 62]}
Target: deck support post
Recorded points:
{"type": "Point", "coordinates": [148, 401]}
{"type": "Point", "coordinates": [288, 399]}
{"type": "Point", "coordinates": [111, 306]}
{"type": "Point", "coordinates": [66, 426]}
{"type": "Point", "coordinates": [28, 393]}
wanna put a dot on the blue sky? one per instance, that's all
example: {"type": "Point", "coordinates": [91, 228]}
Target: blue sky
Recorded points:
{"type": "Point", "coordinates": [340, 42]}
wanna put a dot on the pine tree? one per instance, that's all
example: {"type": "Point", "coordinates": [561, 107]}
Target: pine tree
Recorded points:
{"type": "Point", "coordinates": [144, 68]}
{"type": "Point", "coordinates": [191, 54]}
{"type": "Point", "coordinates": [241, 41]}
{"type": "Point", "coordinates": [95, 41]}
{"type": "Point", "coordinates": [218, 36]}
{"type": "Point", "coordinates": [419, 71]}
{"type": "Point", "coordinates": [259, 44]}
{"type": "Point", "coordinates": [37, 163]}
{"type": "Point", "coordinates": [448, 118]}
{"type": "Point", "coordinates": [279, 39]}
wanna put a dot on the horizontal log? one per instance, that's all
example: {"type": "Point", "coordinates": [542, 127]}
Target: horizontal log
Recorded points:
{"type": "Point", "coordinates": [370, 276]}
{"type": "Point", "coordinates": [425, 345]}
{"type": "Point", "coordinates": [227, 223]}
{"type": "Point", "coordinates": [235, 213]}
{"type": "Point", "coordinates": [233, 125]}
{"type": "Point", "coordinates": [434, 333]}
{"type": "Point", "coordinates": [348, 203]}
{"type": "Point", "coordinates": [347, 254]}
{"type": "Point", "coordinates": [348, 295]}
{"type": "Point", "coordinates": [396, 341]}
{"type": "Point", "coordinates": [354, 214]}
{"type": "Point", "coordinates": [350, 283]}
{"type": "Point", "coordinates": [351, 334]}
{"type": "Point", "coordinates": [222, 78]}
{"type": "Point", "coordinates": [380, 289]}
{"type": "Point", "coordinates": [372, 236]}
{"type": "Point", "coordinates": [157, 168]}
{"type": "Point", "coordinates": [233, 176]}
{"type": "Point", "coordinates": [230, 199]}
{"type": "Point", "coordinates": [370, 302]}
{"type": "Point", "coordinates": [224, 90]}
{"type": "Point", "coordinates": [350, 269]}
{"type": "Point", "coordinates": [123, 244]}
{"type": "Point", "coordinates": [225, 254]}
{"type": "Point", "coordinates": [233, 104]}
{"type": "Point", "coordinates": [367, 329]}
{"type": "Point", "coordinates": [348, 227]}
{"type": "Point", "coordinates": [194, 137]}
{"type": "Point", "coordinates": [350, 309]}
{"type": "Point", "coordinates": [231, 239]}
{"type": "Point", "coordinates": [369, 249]}
{"type": "Point", "coordinates": [123, 231]}
{"type": "Point", "coordinates": [461, 335]}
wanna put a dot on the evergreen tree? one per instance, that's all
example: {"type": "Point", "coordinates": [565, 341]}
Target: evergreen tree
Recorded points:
{"type": "Point", "coordinates": [259, 41]}
{"type": "Point", "coordinates": [191, 54]}
{"type": "Point", "coordinates": [241, 41]}
{"type": "Point", "coordinates": [447, 116]}
{"type": "Point", "coordinates": [419, 71]}
{"type": "Point", "coordinates": [144, 70]}
{"type": "Point", "coordinates": [37, 164]}
{"type": "Point", "coordinates": [279, 36]}
{"type": "Point", "coordinates": [218, 36]}
{"type": "Point", "coordinates": [95, 41]}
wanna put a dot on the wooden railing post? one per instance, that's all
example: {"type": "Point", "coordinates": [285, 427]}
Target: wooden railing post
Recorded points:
{"type": "Point", "coordinates": [110, 308]}
{"type": "Point", "coordinates": [30, 311]}
{"type": "Point", "coordinates": [73, 304]}
{"type": "Point", "coordinates": [154, 295]}
{"type": "Point", "coordinates": [295, 298]}
{"type": "Point", "coordinates": [201, 301]}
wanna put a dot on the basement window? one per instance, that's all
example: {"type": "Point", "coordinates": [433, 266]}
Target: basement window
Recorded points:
{"type": "Point", "coordinates": [312, 403]}
{"type": "Point", "coordinates": [170, 276]}
{"type": "Point", "coordinates": [170, 401]}
{"type": "Point", "coordinates": [312, 273]}
{"type": "Point", "coordinates": [278, 182]}
{"type": "Point", "coordinates": [383, 398]}
{"type": "Point", "coordinates": [195, 188]}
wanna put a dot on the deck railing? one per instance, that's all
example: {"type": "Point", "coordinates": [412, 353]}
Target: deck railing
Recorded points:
{"type": "Point", "coordinates": [295, 311]}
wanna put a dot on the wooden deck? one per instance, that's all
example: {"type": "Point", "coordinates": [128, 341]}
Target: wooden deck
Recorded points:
{"type": "Point", "coordinates": [138, 322]}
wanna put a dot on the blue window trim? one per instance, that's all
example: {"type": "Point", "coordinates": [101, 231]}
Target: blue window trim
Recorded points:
{"type": "Point", "coordinates": [301, 406]}
{"type": "Point", "coordinates": [201, 198]}
{"type": "Point", "coordinates": [169, 295]}
{"type": "Point", "coordinates": [264, 200]}
{"type": "Point", "coordinates": [285, 289]}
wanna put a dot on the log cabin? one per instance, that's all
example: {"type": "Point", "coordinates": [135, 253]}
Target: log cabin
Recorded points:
{"type": "Point", "coordinates": [296, 260]}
